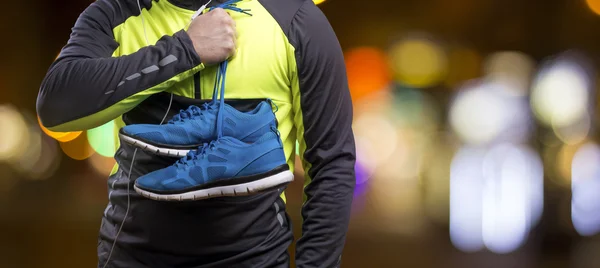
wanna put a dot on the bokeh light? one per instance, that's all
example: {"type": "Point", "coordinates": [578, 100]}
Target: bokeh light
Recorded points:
{"type": "Point", "coordinates": [361, 188]}
{"type": "Point", "coordinates": [510, 68]}
{"type": "Point", "coordinates": [496, 197]}
{"type": "Point", "coordinates": [318, 1]}
{"type": "Point", "coordinates": [560, 94]}
{"type": "Point", "coordinates": [413, 109]}
{"type": "Point", "coordinates": [78, 149]}
{"type": "Point", "coordinates": [585, 201]}
{"type": "Point", "coordinates": [14, 136]}
{"type": "Point", "coordinates": [484, 112]}
{"type": "Point", "coordinates": [102, 139]}
{"type": "Point", "coordinates": [380, 102]}
{"type": "Point", "coordinates": [576, 132]}
{"type": "Point", "coordinates": [395, 204]}
{"type": "Point", "coordinates": [520, 125]}
{"type": "Point", "coordinates": [418, 62]}
{"type": "Point", "coordinates": [512, 197]}
{"type": "Point", "coordinates": [564, 161]}
{"type": "Point", "coordinates": [367, 71]}
{"type": "Point", "coordinates": [466, 207]}
{"type": "Point", "coordinates": [49, 161]}
{"type": "Point", "coordinates": [364, 172]}
{"type": "Point", "coordinates": [409, 117]}
{"type": "Point", "coordinates": [59, 136]}
{"type": "Point", "coordinates": [376, 137]}
{"type": "Point", "coordinates": [478, 114]}
{"type": "Point", "coordinates": [594, 5]}
{"type": "Point", "coordinates": [101, 164]}
{"type": "Point", "coordinates": [34, 157]}
{"type": "Point", "coordinates": [406, 160]}
{"type": "Point", "coordinates": [31, 154]}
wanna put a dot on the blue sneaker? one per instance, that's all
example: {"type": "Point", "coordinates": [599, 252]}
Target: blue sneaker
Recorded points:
{"type": "Point", "coordinates": [225, 167]}
{"type": "Point", "coordinates": [197, 125]}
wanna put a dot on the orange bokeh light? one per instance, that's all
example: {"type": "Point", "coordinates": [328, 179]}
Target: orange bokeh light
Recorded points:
{"type": "Point", "coordinates": [101, 164]}
{"type": "Point", "coordinates": [59, 136]}
{"type": "Point", "coordinates": [368, 71]}
{"type": "Point", "coordinates": [594, 5]}
{"type": "Point", "coordinates": [78, 149]}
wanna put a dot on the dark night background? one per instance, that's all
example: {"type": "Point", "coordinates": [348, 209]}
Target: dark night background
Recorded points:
{"type": "Point", "coordinates": [408, 64]}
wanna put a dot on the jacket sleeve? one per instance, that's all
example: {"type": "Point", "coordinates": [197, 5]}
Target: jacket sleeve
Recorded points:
{"type": "Point", "coordinates": [323, 118]}
{"type": "Point", "coordinates": [86, 86]}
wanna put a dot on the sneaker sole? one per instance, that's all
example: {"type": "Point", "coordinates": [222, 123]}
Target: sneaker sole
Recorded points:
{"type": "Point", "coordinates": [245, 189]}
{"type": "Point", "coordinates": [154, 149]}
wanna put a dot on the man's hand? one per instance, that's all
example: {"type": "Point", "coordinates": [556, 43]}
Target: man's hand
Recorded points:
{"type": "Point", "coordinates": [213, 35]}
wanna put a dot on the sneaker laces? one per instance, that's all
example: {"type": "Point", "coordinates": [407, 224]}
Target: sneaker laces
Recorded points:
{"type": "Point", "coordinates": [232, 5]}
{"type": "Point", "coordinates": [194, 155]}
{"type": "Point", "coordinates": [222, 71]}
{"type": "Point", "coordinates": [191, 112]}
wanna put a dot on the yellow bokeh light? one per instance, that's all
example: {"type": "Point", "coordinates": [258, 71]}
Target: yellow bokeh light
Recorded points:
{"type": "Point", "coordinates": [560, 94]}
{"type": "Point", "coordinates": [14, 135]}
{"type": "Point", "coordinates": [318, 1]}
{"type": "Point", "coordinates": [59, 136]}
{"type": "Point", "coordinates": [594, 5]}
{"type": "Point", "coordinates": [564, 160]}
{"type": "Point", "coordinates": [418, 62]}
{"type": "Point", "coordinates": [78, 149]}
{"type": "Point", "coordinates": [367, 71]}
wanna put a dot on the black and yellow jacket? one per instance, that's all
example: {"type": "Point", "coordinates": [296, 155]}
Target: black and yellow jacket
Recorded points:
{"type": "Point", "coordinates": [122, 67]}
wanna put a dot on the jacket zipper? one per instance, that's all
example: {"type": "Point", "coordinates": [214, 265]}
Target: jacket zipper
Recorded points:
{"type": "Point", "coordinates": [197, 86]}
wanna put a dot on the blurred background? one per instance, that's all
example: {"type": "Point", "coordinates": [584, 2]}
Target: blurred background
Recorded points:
{"type": "Point", "coordinates": [476, 124]}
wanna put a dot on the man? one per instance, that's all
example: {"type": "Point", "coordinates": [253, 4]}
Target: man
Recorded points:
{"type": "Point", "coordinates": [142, 68]}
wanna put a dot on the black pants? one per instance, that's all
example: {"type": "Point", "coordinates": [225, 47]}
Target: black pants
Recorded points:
{"type": "Point", "coordinates": [252, 231]}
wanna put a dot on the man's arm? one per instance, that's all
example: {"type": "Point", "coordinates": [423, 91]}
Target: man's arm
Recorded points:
{"type": "Point", "coordinates": [323, 116]}
{"type": "Point", "coordinates": [87, 87]}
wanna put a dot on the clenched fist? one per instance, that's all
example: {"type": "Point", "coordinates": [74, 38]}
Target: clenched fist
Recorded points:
{"type": "Point", "coordinates": [214, 36]}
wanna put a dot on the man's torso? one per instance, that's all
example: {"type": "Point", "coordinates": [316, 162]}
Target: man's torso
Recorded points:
{"type": "Point", "coordinates": [221, 232]}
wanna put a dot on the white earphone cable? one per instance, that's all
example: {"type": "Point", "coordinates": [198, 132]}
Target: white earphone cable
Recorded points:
{"type": "Point", "coordinates": [134, 154]}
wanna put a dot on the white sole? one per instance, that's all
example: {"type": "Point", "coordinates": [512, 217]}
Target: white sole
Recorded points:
{"type": "Point", "coordinates": [153, 149]}
{"type": "Point", "coordinates": [244, 189]}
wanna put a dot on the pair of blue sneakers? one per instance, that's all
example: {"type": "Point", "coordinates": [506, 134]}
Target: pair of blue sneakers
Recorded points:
{"type": "Point", "coordinates": [225, 152]}
{"type": "Point", "coordinates": [247, 159]}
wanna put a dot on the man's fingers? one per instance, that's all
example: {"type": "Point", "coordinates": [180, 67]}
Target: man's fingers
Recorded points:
{"type": "Point", "coordinates": [229, 21]}
{"type": "Point", "coordinates": [218, 11]}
